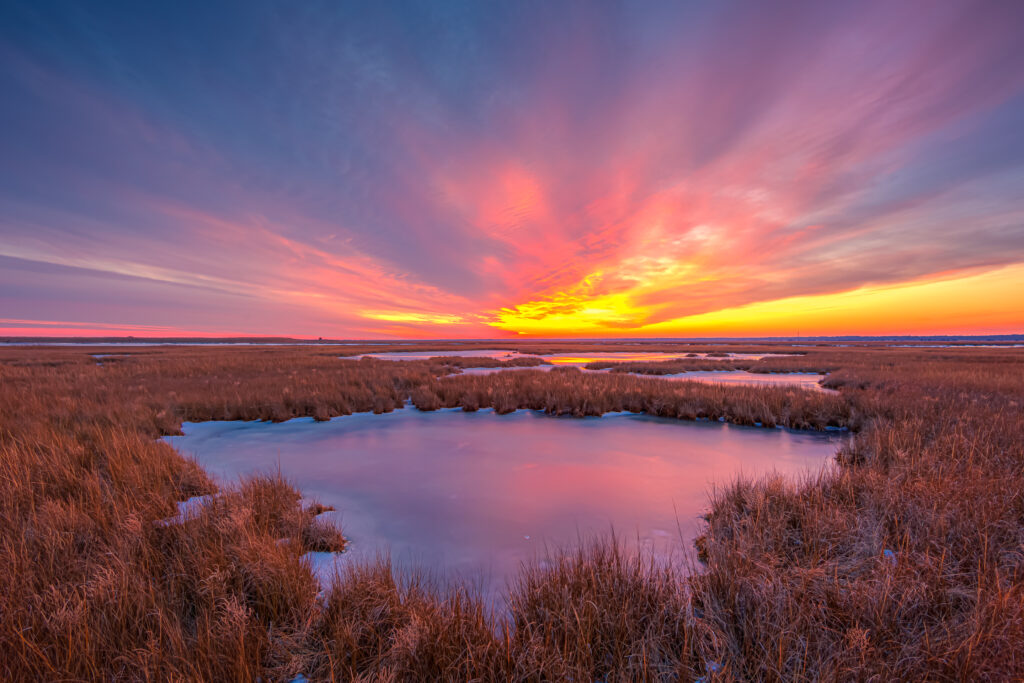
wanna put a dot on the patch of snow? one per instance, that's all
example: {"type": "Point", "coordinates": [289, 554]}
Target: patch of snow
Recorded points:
{"type": "Point", "coordinates": [323, 566]}
{"type": "Point", "coordinates": [187, 509]}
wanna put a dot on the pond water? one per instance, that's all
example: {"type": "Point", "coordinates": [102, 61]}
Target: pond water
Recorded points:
{"type": "Point", "coordinates": [575, 358]}
{"type": "Point", "coordinates": [807, 380]}
{"type": "Point", "coordinates": [583, 358]}
{"type": "Point", "coordinates": [473, 495]}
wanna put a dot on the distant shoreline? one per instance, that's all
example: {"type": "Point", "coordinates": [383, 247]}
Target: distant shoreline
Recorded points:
{"type": "Point", "coordinates": [292, 341]}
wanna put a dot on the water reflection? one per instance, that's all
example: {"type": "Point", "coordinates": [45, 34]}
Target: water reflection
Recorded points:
{"type": "Point", "coordinates": [648, 357]}
{"type": "Point", "coordinates": [807, 380]}
{"type": "Point", "coordinates": [475, 494]}
{"type": "Point", "coordinates": [574, 358]}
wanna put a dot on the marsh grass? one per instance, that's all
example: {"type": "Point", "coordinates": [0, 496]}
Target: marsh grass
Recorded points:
{"type": "Point", "coordinates": [904, 561]}
{"type": "Point", "coordinates": [569, 391]}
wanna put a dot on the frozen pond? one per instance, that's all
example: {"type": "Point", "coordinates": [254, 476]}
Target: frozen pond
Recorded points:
{"type": "Point", "coordinates": [575, 358]}
{"type": "Point", "coordinates": [472, 495]}
{"type": "Point", "coordinates": [583, 358]}
{"type": "Point", "coordinates": [808, 380]}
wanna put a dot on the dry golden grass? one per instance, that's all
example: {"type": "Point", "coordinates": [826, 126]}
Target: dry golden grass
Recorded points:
{"type": "Point", "coordinates": [906, 562]}
{"type": "Point", "coordinates": [569, 391]}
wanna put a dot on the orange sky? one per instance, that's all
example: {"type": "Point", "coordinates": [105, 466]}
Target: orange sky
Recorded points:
{"type": "Point", "coordinates": [985, 303]}
{"type": "Point", "coordinates": [958, 303]}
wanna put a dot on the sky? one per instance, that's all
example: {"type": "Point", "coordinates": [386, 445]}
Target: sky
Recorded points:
{"type": "Point", "coordinates": [486, 169]}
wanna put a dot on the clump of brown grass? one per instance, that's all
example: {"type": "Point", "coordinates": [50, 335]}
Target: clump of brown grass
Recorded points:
{"type": "Point", "coordinates": [463, 362]}
{"type": "Point", "coordinates": [375, 626]}
{"type": "Point", "coordinates": [568, 391]}
{"type": "Point", "coordinates": [601, 613]}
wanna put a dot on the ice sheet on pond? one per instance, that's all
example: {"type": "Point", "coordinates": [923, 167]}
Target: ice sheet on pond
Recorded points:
{"type": "Point", "coordinates": [473, 495]}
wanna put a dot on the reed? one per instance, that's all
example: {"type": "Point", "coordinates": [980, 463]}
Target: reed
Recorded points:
{"type": "Point", "coordinates": [902, 562]}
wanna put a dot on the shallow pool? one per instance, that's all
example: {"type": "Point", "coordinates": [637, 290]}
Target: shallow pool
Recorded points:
{"type": "Point", "coordinates": [582, 358]}
{"type": "Point", "coordinates": [574, 358]}
{"type": "Point", "coordinates": [472, 495]}
{"type": "Point", "coordinates": [807, 380]}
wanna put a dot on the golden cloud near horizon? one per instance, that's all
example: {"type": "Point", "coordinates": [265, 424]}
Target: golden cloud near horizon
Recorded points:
{"type": "Point", "coordinates": [969, 303]}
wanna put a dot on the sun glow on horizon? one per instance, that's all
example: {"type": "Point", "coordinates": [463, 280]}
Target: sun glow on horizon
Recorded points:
{"type": "Point", "coordinates": [972, 303]}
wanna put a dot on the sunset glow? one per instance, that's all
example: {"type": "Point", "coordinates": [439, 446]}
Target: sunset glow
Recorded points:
{"type": "Point", "coordinates": [470, 170]}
